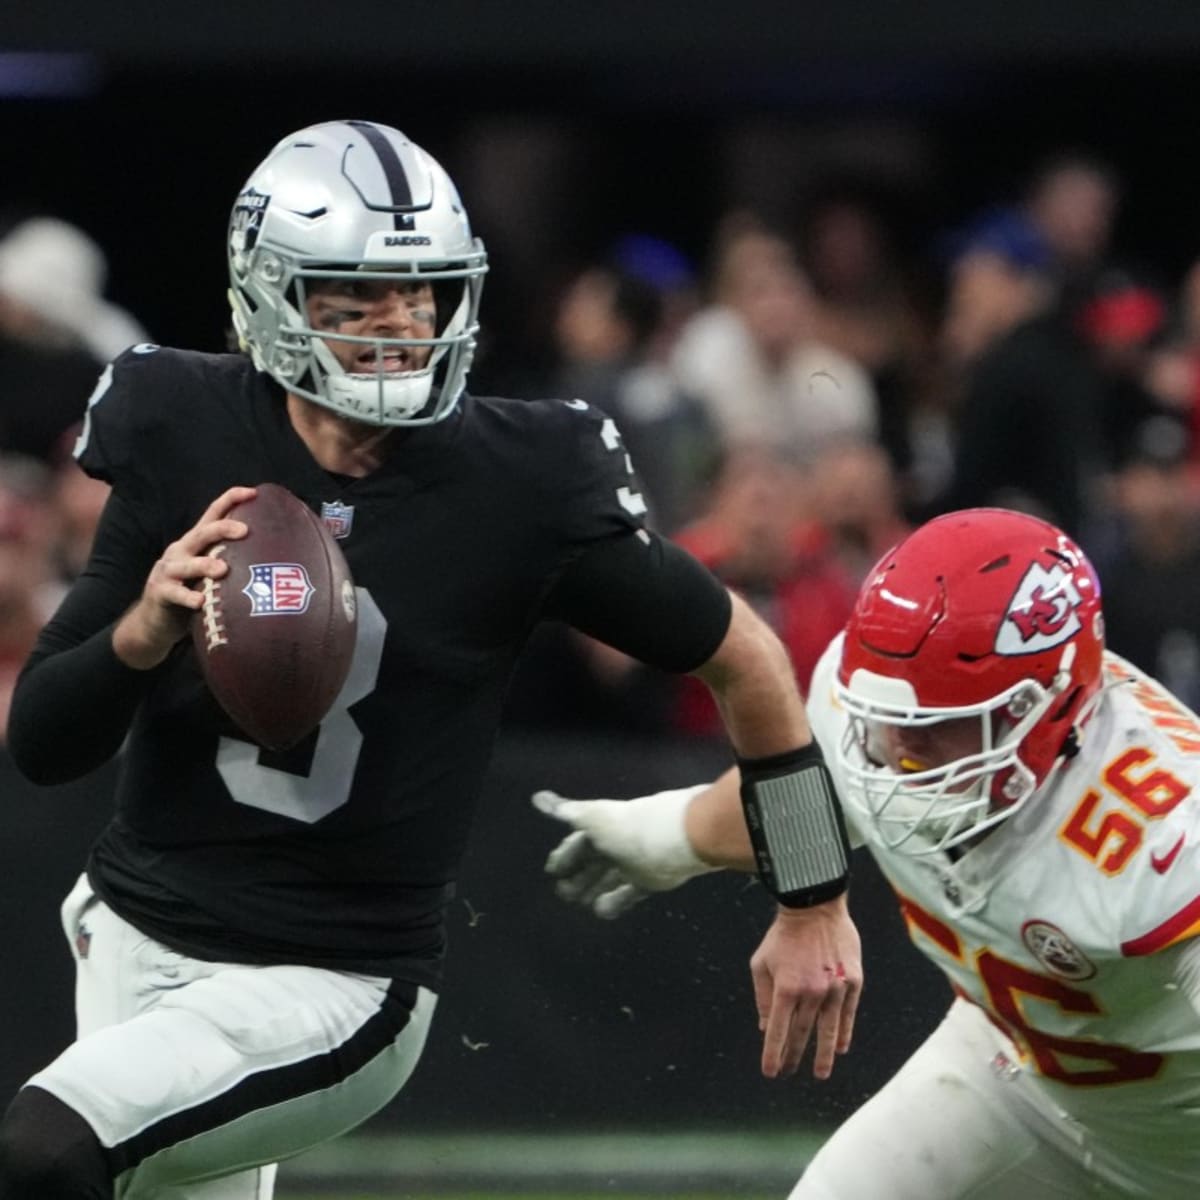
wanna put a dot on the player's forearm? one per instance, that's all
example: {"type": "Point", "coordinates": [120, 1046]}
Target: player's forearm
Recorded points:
{"type": "Point", "coordinates": [752, 681]}
{"type": "Point", "coordinates": [72, 709]}
{"type": "Point", "coordinates": [785, 785]}
{"type": "Point", "coordinates": [716, 826]}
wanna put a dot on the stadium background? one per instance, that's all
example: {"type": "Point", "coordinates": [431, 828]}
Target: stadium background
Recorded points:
{"type": "Point", "coordinates": [565, 124]}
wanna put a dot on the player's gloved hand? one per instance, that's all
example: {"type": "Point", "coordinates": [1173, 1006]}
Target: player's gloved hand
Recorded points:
{"type": "Point", "coordinates": [621, 850]}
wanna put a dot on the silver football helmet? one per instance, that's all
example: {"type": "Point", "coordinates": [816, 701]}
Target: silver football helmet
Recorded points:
{"type": "Point", "coordinates": [354, 200]}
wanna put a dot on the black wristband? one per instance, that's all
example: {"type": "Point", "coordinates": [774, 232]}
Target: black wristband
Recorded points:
{"type": "Point", "coordinates": [796, 826]}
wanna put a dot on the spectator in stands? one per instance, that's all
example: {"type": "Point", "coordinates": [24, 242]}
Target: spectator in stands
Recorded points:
{"type": "Point", "coordinates": [1148, 559]}
{"type": "Point", "coordinates": [856, 499]}
{"type": "Point", "coordinates": [56, 274]}
{"type": "Point", "coordinates": [867, 306]}
{"type": "Point", "coordinates": [664, 267]}
{"type": "Point", "coordinates": [1030, 399]}
{"type": "Point", "coordinates": [1123, 322]}
{"type": "Point", "coordinates": [612, 333]}
{"type": "Point", "coordinates": [759, 538]}
{"type": "Point", "coordinates": [1173, 371]}
{"type": "Point", "coordinates": [56, 332]}
{"type": "Point", "coordinates": [753, 355]}
{"type": "Point", "coordinates": [1073, 199]}
{"type": "Point", "coordinates": [26, 593]}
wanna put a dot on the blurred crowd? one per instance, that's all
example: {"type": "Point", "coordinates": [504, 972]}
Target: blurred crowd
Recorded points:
{"type": "Point", "coordinates": [794, 401]}
{"type": "Point", "coordinates": [57, 331]}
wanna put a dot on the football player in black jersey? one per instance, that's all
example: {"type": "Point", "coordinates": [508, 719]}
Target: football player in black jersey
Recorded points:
{"type": "Point", "coordinates": [259, 935]}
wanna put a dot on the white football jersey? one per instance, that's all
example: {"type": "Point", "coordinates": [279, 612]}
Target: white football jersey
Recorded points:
{"type": "Point", "coordinates": [1071, 924]}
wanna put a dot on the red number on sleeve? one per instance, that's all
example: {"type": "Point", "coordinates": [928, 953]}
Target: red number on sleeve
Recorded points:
{"type": "Point", "coordinates": [1155, 793]}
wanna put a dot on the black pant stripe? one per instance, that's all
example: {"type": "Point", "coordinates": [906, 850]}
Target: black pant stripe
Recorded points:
{"type": "Point", "coordinates": [265, 1088]}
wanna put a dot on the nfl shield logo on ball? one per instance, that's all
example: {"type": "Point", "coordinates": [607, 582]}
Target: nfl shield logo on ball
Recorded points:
{"type": "Point", "coordinates": [278, 589]}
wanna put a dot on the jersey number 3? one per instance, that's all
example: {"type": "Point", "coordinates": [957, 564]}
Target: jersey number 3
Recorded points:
{"type": "Point", "coordinates": [327, 784]}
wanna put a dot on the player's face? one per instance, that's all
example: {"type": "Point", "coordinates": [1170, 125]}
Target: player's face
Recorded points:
{"type": "Point", "coordinates": [907, 749]}
{"type": "Point", "coordinates": [374, 308]}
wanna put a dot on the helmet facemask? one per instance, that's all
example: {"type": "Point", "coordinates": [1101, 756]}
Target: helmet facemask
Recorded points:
{"type": "Point", "coordinates": [374, 394]}
{"type": "Point", "coordinates": [301, 360]}
{"type": "Point", "coordinates": [927, 811]}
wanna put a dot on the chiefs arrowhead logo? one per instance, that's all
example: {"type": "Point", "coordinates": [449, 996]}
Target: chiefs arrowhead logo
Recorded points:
{"type": "Point", "coordinates": [1042, 613]}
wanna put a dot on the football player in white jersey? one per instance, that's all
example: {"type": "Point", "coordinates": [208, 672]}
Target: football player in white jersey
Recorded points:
{"type": "Point", "coordinates": [1031, 799]}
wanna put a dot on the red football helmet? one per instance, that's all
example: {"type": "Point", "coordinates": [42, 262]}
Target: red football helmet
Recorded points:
{"type": "Point", "coordinates": [985, 614]}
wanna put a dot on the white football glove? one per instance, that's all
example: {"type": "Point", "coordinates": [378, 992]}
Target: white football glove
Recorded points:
{"type": "Point", "coordinates": [621, 850]}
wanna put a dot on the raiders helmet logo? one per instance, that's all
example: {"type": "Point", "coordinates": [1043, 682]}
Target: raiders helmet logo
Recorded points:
{"type": "Point", "coordinates": [246, 223]}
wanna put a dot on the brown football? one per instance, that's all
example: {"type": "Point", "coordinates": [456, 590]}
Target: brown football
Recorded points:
{"type": "Point", "coordinates": [276, 635]}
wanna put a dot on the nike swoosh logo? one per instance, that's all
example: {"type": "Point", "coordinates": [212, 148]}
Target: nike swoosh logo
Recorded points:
{"type": "Point", "coordinates": [1162, 862]}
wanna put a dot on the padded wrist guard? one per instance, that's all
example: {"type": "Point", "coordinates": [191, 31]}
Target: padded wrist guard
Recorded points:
{"type": "Point", "coordinates": [796, 826]}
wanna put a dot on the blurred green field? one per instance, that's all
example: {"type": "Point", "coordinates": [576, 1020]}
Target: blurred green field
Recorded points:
{"type": "Point", "coordinates": [581, 1165]}
{"type": "Point", "coordinates": [527, 1196]}
{"type": "Point", "coordinates": [532, 1195]}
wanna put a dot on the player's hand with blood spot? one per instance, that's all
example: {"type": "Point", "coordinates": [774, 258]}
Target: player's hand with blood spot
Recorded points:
{"type": "Point", "coordinates": [144, 636]}
{"type": "Point", "coordinates": [808, 978]}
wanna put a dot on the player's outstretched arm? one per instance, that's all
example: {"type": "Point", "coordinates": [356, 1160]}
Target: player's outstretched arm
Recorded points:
{"type": "Point", "coordinates": [621, 850]}
{"type": "Point", "coordinates": [807, 972]}
{"type": "Point", "coordinates": [752, 681]}
{"type": "Point", "coordinates": [777, 815]}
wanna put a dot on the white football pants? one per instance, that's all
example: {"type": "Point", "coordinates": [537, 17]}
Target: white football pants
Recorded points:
{"type": "Point", "coordinates": [961, 1121]}
{"type": "Point", "coordinates": [198, 1077]}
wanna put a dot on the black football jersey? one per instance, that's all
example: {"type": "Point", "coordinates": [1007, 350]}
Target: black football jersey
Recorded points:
{"type": "Point", "coordinates": [341, 852]}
